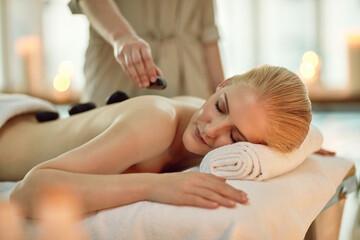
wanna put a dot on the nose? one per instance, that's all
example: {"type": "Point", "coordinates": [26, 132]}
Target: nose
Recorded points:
{"type": "Point", "coordinates": [215, 128]}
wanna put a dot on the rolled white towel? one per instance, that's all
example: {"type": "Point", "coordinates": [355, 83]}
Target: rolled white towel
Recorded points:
{"type": "Point", "coordinates": [247, 161]}
{"type": "Point", "coordinates": [16, 104]}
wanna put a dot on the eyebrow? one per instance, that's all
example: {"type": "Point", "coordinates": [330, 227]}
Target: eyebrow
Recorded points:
{"type": "Point", "coordinates": [228, 111]}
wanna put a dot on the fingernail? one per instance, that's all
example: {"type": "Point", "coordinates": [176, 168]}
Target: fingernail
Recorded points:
{"type": "Point", "coordinates": [153, 79]}
{"type": "Point", "coordinates": [232, 202]}
{"type": "Point", "coordinates": [214, 204]}
{"type": "Point", "coordinates": [243, 199]}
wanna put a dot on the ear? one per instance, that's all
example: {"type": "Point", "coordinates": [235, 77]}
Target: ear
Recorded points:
{"type": "Point", "coordinates": [223, 84]}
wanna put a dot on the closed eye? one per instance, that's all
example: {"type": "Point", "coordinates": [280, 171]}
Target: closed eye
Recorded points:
{"type": "Point", "coordinates": [232, 138]}
{"type": "Point", "coordinates": [217, 106]}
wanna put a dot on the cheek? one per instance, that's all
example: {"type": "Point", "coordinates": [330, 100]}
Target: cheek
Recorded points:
{"type": "Point", "coordinates": [222, 141]}
{"type": "Point", "coordinates": [192, 145]}
{"type": "Point", "coordinates": [188, 139]}
{"type": "Point", "coordinates": [207, 111]}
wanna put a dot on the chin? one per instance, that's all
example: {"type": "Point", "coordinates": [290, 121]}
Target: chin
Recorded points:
{"type": "Point", "coordinates": [194, 147]}
{"type": "Point", "coordinates": [191, 145]}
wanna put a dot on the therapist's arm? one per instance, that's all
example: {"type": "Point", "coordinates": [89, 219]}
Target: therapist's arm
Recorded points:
{"type": "Point", "coordinates": [131, 51]}
{"type": "Point", "coordinates": [213, 64]}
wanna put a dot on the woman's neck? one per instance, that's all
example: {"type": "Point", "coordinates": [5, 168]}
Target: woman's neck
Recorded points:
{"type": "Point", "coordinates": [182, 158]}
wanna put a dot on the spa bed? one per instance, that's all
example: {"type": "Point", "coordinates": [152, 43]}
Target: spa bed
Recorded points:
{"type": "Point", "coordinates": [280, 208]}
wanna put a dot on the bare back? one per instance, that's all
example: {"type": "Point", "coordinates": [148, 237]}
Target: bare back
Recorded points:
{"type": "Point", "coordinates": [96, 141]}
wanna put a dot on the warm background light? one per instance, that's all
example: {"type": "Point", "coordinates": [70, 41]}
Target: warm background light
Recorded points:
{"type": "Point", "coordinates": [67, 68]}
{"type": "Point", "coordinates": [353, 51]}
{"type": "Point", "coordinates": [307, 70]}
{"type": "Point", "coordinates": [311, 57]}
{"type": "Point", "coordinates": [10, 222]}
{"type": "Point", "coordinates": [61, 83]}
{"type": "Point", "coordinates": [310, 67]}
{"type": "Point", "coordinates": [27, 45]}
{"type": "Point", "coordinates": [58, 210]}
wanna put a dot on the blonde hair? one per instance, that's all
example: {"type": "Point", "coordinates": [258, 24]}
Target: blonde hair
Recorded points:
{"type": "Point", "coordinates": [285, 100]}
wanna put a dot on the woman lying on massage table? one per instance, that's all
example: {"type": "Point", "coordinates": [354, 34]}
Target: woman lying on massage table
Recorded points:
{"type": "Point", "coordinates": [93, 152]}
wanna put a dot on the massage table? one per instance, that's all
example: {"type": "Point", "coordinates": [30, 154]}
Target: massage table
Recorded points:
{"type": "Point", "coordinates": [311, 196]}
{"type": "Point", "coordinates": [304, 203]}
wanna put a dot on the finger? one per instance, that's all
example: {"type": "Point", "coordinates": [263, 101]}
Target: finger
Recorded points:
{"type": "Point", "coordinates": [140, 68]}
{"type": "Point", "coordinates": [123, 65]}
{"type": "Point", "coordinates": [214, 197]}
{"type": "Point", "coordinates": [325, 152]}
{"type": "Point", "coordinates": [149, 64]}
{"type": "Point", "coordinates": [158, 71]}
{"type": "Point", "coordinates": [226, 190]}
{"type": "Point", "coordinates": [217, 177]}
{"type": "Point", "coordinates": [196, 201]}
{"type": "Point", "coordinates": [130, 68]}
{"type": "Point", "coordinates": [330, 153]}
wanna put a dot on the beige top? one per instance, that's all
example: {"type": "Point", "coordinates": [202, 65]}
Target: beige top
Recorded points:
{"type": "Point", "coordinates": [175, 31]}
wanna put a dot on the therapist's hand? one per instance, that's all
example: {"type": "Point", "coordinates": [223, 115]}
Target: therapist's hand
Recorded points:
{"type": "Point", "coordinates": [134, 56]}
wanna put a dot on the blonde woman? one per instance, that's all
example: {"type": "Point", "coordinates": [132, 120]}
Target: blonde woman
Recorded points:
{"type": "Point", "coordinates": [113, 155]}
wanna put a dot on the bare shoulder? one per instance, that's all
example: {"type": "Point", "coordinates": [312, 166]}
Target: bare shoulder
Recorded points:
{"type": "Point", "coordinates": [147, 108]}
{"type": "Point", "coordinates": [156, 108]}
{"type": "Point", "coordinates": [148, 118]}
{"type": "Point", "coordinates": [194, 101]}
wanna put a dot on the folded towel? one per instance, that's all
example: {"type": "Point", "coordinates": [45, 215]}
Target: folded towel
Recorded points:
{"type": "Point", "coordinates": [247, 161]}
{"type": "Point", "coordinates": [12, 105]}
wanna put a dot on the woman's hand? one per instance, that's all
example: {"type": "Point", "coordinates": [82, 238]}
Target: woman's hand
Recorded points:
{"type": "Point", "coordinates": [195, 189]}
{"type": "Point", "coordinates": [324, 152]}
{"type": "Point", "coordinates": [134, 56]}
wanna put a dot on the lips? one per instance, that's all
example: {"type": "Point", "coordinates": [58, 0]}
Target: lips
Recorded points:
{"type": "Point", "coordinates": [199, 137]}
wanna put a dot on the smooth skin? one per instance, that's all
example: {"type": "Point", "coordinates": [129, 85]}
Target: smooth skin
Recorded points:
{"type": "Point", "coordinates": [117, 151]}
{"type": "Point", "coordinates": [131, 51]}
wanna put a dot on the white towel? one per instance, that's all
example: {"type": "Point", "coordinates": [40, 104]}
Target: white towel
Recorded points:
{"type": "Point", "coordinates": [281, 208]}
{"type": "Point", "coordinates": [247, 161]}
{"type": "Point", "coordinates": [12, 105]}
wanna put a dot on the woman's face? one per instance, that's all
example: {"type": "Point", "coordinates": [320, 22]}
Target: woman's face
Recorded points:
{"type": "Point", "coordinates": [230, 115]}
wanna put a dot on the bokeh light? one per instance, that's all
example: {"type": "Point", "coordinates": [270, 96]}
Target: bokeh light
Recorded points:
{"type": "Point", "coordinates": [311, 57]}
{"type": "Point", "coordinates": [61, 83]}
{"type": "Point", "coordinates": [28, 44]}
{"type": "Point", "coordinates": [307, 70]}
{"type": "Point", "coordinates": [310, 67]}
{"type": "Point", "coordinates": [67, 68]}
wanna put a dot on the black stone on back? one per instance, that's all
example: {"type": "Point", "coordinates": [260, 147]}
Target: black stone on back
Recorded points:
{"type": "Point", "coordinates": [44, 116]}
{"type": "Point", "coordinates": [82, 107]}
{"type": "Point", "coordinates": [116, 97]}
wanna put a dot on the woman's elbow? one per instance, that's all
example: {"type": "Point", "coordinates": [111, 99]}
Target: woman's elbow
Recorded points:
{"type": "Point", "coordinates": [26, 193]}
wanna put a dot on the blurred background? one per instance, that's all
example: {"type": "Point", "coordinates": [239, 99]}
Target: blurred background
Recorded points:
{"type": "Point", "coordinates": [42, 49]}
{"type": "Point", "coordinates": [43, 45]}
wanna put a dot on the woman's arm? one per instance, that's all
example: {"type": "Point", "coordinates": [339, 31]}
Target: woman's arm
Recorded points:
{"type": "Point", "coordinates": [132, 52]}
{"type": "Point", "coordinates": [213, 63]}
{"type": "Point", "coordinates": [106, 191]}
{"type": "Point", "coordinates": [96, 191]}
